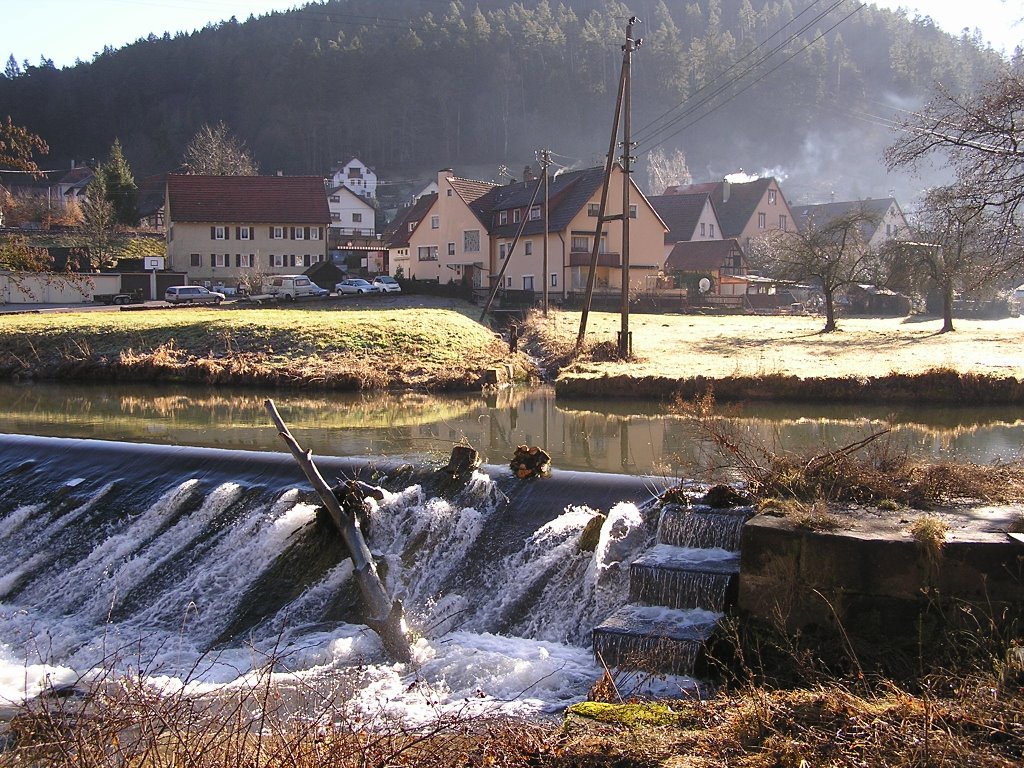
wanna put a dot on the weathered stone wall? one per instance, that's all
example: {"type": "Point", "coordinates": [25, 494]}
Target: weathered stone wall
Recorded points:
{"type": "Point", "coordinates": [877, 585]}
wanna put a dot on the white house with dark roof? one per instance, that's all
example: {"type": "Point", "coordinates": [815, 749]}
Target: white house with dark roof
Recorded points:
{"type": "Point", "coordinates": [228, 229]}
{"type": "Point", "coordinates": [356, 176]}
{"type": "Point", "coordinates": [688, 218]}
{"type": "Point", "coordinates": [888, 223]}
{"type": "Point", "coordinates": [351, 215]}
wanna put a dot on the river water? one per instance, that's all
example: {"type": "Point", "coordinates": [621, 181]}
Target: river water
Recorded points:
{"type": "Point", "coordinates": [160, 530]}
{"type": "Point", "coordinates": [631, 437]}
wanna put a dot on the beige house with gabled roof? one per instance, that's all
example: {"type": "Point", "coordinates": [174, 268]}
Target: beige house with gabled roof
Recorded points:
{"type": "Point", "coordinates": [574, 202]}
{"type": "Point", "coordinates": [227, 230]}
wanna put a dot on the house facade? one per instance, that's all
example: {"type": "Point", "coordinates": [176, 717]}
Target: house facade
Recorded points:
{"type": "Point", "coordinates": [351, 214]}
{"type": "Point", "coordinates": [746, 211]}
{"type": "Point", "coordinates": [236, 230]}
{"type": "Point", "coordinates": [574, 203]}
{"type": "Point", "coordinates": [688, 218]}
{"type": "Point", "coordinates": [721, 261]}
{"type": "Point", "coordinates": [449, 241]}
{"type": "Point", "coordinates": [888, 222]}
{"type": "Point", "coordinates": [356, 176]}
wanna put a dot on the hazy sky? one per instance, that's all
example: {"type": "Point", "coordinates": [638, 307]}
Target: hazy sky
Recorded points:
{"type": "Point", "coordinates": [65, 30]}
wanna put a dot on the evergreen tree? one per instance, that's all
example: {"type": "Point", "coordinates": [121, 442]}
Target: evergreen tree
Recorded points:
{"type": "Point", "coordinates": [120, 187]}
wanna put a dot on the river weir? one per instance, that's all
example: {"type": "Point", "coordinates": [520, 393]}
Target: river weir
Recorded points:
{"type": "Point", "coordinates": [195, 565]}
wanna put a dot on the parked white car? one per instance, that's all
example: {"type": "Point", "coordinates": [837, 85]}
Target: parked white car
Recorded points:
{"type": "Point", "coordinates": [192, 294]}
{"type": "Point", "coordinates": [387, 284]}
{"type": "Point", "coordinates": [356, 285]}
{"type": "Point", "coordinates": [291, 287]}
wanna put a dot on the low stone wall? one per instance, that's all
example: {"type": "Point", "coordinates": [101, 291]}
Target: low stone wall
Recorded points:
{"type": "Point", "coordinates": [875, 586]}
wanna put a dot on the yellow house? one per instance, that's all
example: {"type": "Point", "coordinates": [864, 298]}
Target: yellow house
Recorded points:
{"type": "Point", "coordinates": [231, 230]}
{"type": "Point", "coordinates": [573, 205]}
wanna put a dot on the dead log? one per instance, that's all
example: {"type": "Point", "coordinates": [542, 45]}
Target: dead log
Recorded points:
{"type": "Point", "coordinates": [385, 616]}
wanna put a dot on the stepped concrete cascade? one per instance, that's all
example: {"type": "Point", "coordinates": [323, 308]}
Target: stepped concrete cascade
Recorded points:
{"type": "Point", "coordinates": [637, 635]}
{"type": "Point", "coordinates": [684, 577]}
{"type": "Point", "coordinates": [679, 591]}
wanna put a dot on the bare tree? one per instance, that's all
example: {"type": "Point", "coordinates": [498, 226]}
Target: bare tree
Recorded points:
{"type": "Point", "coordinates": [959, 244]}
{"type": "Point", "coordinates": [666, 170]}
{"type": "Point", "coordinates": [833, 254]}
{"type": "Point", "coordinates": [980, 134]}
{"type": "Point", "coordinates": [215, 151]}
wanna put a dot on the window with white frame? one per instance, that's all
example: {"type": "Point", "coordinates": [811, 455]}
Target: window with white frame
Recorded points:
{"type": "Point", "coordinates": [427, 253]}
{"type": "Point", "coordinates": [782, 222]}
{"type": "Point", "coordinates": [357, 217]}
{"type": "Point", "coordinates": [593, 209]}
{"type": "Point", "coordinates": [711, 230]}
{"type": "Point", "coordinates": [508, 281]}
{"type": "Point", "coordinates": [277, 233]}
{"type": "Point", "coordinates": [451, 249]}
{"type": "Point", "coordinates": [771, 197]}
{"type": "Point", "coordinates": [245, 260]}
{"type": "Point", "coordinates": [502, 217]}
{"type": "Point", "coordinates": [335, 198]}
{"type": "Point", "coordinates": [276, 260]}
{"type": "Point", "coordinates": [435, 222]}
{"type": "Point", "coordinates": [761, 221]}
{"type": "Point", "coordinates": [554, 279]}
{"type": "Point", "coordinates": [314, 233]}
{"type": "Point", "coordinates": [535, 213]}
{"type": "Point", "coordinates": [515, 216]}
{"type": "Point", "coordinates": [503, 251]}
{"type": "Point", "coordinates": [527, 282]}
{"type": "Point", "coordinates": [219, 259]}
{"type": "Point", "coordinates": [218, 233]}
{"type": "Point", "coordinates": [632, 211]}
{"type": "Point", "coordinates": [702, 232]}
{"type": "Point", "coordinates": [580, 244]}
{"type": "Point", "coordinates": [471, 241]}
{"type": "Point", "coordinates": [300, 233]}
{"type": "Point", "coordinates": [528, 248]}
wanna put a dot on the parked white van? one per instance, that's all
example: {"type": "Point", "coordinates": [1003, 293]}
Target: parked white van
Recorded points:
{"type": "Point", "coordinates": [291, 287]}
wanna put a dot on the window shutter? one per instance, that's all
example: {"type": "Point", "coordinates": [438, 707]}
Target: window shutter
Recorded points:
{"type": "Point", "coordinates": [227, 233]}
{"type": "Point", "coordinates": [238, 233]}
{"type": "Point", "coordinates": [213, 260]}
{"type": "Point", "coordinates": [320, 233]}
{"type": "Point", "coordinates": [307, 233]}
{"type": "Point", "coordinates": [293, 235]}
{"type": "Point", "coordinates": [213, 233]}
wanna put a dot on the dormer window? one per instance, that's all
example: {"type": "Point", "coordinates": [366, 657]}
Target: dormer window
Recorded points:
{"type": "Point", "coordinates": [515, 216]}
{"type": "Point", "coordinates": [502, 217]}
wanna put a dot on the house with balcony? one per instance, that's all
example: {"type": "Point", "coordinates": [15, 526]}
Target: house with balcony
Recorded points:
{"type": "Point", "coordinates": [574, 200]}
{"type": "Point", "coordinates": [351, 214]}
{"type": "Point", "coordinates": [232, 230]}
{"type": "Point", "coordinates": [746, 210]}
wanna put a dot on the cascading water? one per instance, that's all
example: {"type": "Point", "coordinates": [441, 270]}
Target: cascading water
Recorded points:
{"type": "Point", "coordinates": [200, 564]}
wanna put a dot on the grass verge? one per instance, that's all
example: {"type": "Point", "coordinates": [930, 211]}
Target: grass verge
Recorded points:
{"type": "Point", "coordinates": [433, 349]}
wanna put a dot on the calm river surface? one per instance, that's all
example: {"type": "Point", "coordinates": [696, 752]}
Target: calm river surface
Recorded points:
{"type": "Point", "coordinates": [633, 437]}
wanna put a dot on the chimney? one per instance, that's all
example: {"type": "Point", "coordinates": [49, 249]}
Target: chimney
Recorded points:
{"type": "Point", "coordinates": [528, 174]}
{"type": "Point", "coordinates": [725, 190]}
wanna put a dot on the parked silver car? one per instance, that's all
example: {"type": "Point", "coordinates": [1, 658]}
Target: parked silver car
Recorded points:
{"type": "Point", "coordinates": [192, 294]}
{"type": "Point", "coordinates": [387, 284]}
{"type": "Point", "coordinates": [356, 285]}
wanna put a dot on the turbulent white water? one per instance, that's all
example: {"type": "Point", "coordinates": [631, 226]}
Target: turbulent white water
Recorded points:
{"type": "Point", "coordinates": [94, 579]}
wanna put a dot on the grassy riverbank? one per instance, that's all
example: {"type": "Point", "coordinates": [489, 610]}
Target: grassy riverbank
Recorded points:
{"type": "Point", "coordinates": [747, 357]}
{"type": "Point", "coordinates": [414, 348]}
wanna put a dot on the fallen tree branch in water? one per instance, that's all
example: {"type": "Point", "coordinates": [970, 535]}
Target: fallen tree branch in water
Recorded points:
{"type": "Point", "coordinates": [385, 616]}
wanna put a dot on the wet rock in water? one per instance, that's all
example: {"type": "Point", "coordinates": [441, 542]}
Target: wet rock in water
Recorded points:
{"type": "Point", "coordinates": [530, 461]}
{"type": "Point", "coordinates": [591, 534]}
{"type": "Point", "coordinates": [719, 496]}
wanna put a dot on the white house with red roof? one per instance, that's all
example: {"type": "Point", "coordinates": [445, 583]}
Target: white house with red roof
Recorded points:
{"type": "Point", "coordinates": [227, 230]}
{"type": "Point", "coordinates": [356, 176]}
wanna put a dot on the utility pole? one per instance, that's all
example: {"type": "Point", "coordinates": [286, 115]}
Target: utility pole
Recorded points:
{"type": "Point", "coordinates": [545, 161]}
{"type": "Point", "coordinates": [621, 105]}
{"type": "Point", "coordinates": [625, 338]}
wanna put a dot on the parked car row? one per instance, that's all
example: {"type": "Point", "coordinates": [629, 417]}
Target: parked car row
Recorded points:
{"type": "Point", "coordinates": [286, 287]}
{"type": "Point", "coordinates": [356, 285]}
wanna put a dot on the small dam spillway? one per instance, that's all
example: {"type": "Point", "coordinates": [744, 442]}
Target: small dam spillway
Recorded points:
{"type": "Point", "coordinates": [679, 589]}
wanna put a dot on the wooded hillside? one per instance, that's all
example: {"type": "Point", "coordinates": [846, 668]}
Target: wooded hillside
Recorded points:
{"type": "Point", "coordinates": [411, 86]}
